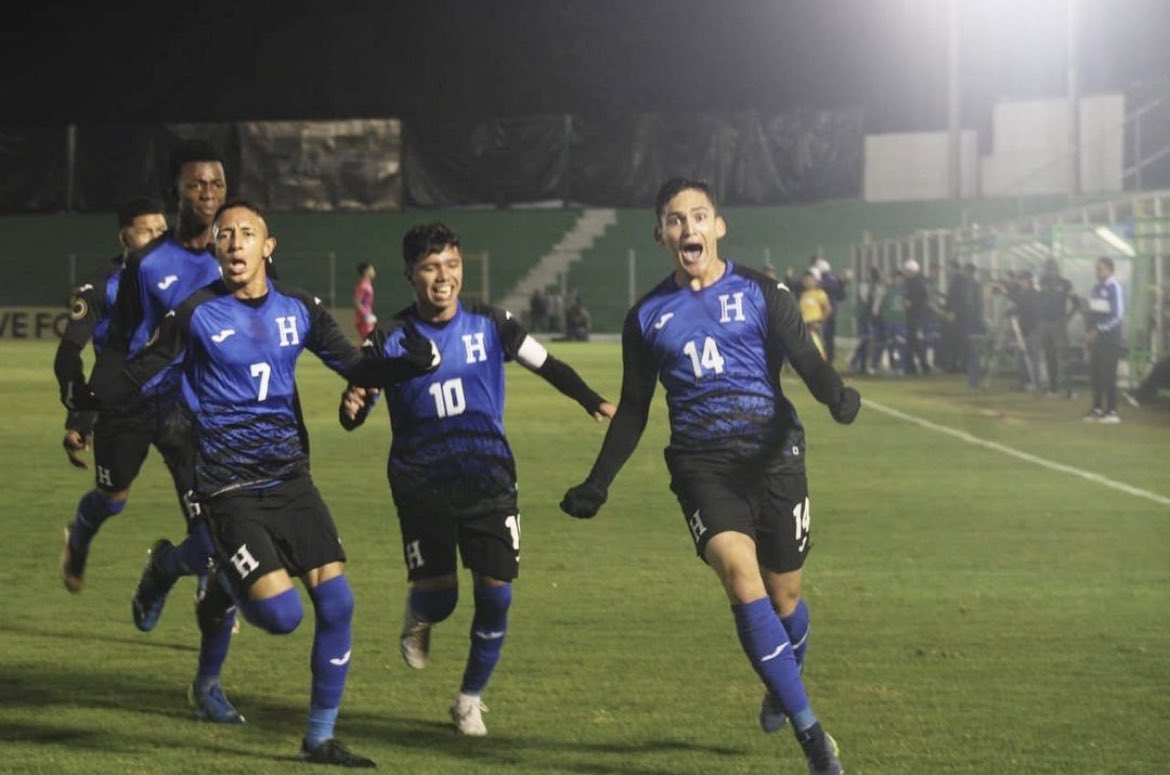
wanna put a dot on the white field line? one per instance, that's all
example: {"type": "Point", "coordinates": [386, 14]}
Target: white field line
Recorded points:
{"type": "Point", "coordinates": [1025, 456]}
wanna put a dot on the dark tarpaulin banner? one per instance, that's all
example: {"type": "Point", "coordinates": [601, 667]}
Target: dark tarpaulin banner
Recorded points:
{"type": "Point", "coordinates": [490, 162]}
{"type": "Point", "coordinates": [316, 166]}
{"type": "Point", "coordinates": [34, 169]}
{"type": "Point", "coordinates": [794, 156]}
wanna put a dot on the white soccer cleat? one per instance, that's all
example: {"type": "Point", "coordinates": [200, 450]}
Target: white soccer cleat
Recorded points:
{"type": "Point", "coordinates": [415, 642]}
{"type": "Point", "coordinates": [467, 714]}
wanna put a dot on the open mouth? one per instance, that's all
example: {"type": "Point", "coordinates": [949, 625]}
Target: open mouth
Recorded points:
{"type": "Point", "coordinates": [442, 292]}
{"type": "Point", "coordinates": [692, 251]}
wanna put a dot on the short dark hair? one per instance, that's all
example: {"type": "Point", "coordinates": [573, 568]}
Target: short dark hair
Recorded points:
{"type": "Point", "coordinates": [192, 150]}
{"type": "Point", "coordinates": [1107, 261]}
{"type": "Point", "coordinates": [424, 239]}
{"type": "Point", "coordinates": [671, 188]}
{"type": "Point", "coordinates": [139, 205]}
{"type": "Point", "coordinates": [362, 267]}
{"type": "Point", "coordinates": [231, 204]}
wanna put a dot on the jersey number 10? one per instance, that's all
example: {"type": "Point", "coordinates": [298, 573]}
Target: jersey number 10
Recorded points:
{"type": "Point", "coordinates": [449, 400]}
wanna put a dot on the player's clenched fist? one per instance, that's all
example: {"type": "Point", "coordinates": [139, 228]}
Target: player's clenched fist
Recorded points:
{"type": "Point", "coordinates": [584, 500]}
{"type": "Point", "coordinates": [847, 406]}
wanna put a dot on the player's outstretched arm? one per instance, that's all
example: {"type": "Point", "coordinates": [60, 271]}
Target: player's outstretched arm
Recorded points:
{"type": "Point", "coordinates": [786, 327]}
{"type": "Point", "coordinates": [625, 430]}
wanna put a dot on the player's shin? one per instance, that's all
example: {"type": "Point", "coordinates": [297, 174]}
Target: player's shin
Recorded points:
{"type": "Point", "coordinates": [332, 640]}
{"type": "Point", "coordinates": [93, 509]}
{"type": "Point", "coordinates": [796, 624]}
{"type": "Point", "coordinates": [767, 647]}
{"type": "Point", "coordinates": [488, 629]}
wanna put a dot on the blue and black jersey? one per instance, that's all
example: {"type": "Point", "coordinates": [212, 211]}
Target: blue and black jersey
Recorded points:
{"type": "Point", "coordinates": [718, 353]}
{"type": "Point", "coordinates": [448, 441]}
{"type": "Point", "coordinates": [1106, 306]}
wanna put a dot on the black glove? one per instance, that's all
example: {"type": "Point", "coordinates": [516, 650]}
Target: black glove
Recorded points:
{"type": "Point", "coordinates": [584, 500]}
{"type": "Point", "coordinates": [421, 352]}
{"type": "Point", "coordinates": [847, 406]}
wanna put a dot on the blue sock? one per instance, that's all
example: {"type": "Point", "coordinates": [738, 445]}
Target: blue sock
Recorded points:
{"type": "Point", "coordinates": [190, 558]}
{"type": "Point", "coordinates": [216, 613]}
{"type": "Point", "coordinates": [321, 723]}
{"type": "Point", "coordinates": [278, 615]}
{"type": "Point", "coordinates": [488, 628]}
{"type": "Point", "coordinates": [796, 625]}
{"type": "Point", "coordinates": [332, 642]}
{"type": "Point", "coordinates": [767, 647]}
{"type": "Point", "coordinates": [92, 510]}
{"type": "Point", "coordinates": [433, 605]}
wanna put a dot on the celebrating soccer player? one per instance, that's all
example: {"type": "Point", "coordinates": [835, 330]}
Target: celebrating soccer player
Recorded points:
{"type": "Point", "coordinates": [239, 339]}
{"type": "Point", "coordinates": [451, 470]}
{"type": "Point", "coordinates": [716, 335]}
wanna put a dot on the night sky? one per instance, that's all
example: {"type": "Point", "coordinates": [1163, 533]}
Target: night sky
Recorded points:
{"type": "Point", "coordinates": [441, 58]}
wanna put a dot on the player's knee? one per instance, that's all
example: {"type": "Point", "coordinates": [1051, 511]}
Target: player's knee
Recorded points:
{"type": "Point", "coordinates": [214, 609]}
{"type": "Point", "coordinates": [333, 601]}
{"type": "Point", "coordinates": [492, 601]}
{"type": "Point", "coordinates": [115, 499]}
{"type": "Point", "coordinates": [434, 605]}
{"type": "Point", "coordinates": [278, 615]}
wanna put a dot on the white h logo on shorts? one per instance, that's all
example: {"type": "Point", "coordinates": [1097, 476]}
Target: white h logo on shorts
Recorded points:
{"type": "Point", "coordinates": [414, 558]}
{"type": "Point", "coordinates": [696, 525]}
{"type": "Point", "coordinates": [104, 476]}
{"type": "Point", "coordinates": [244, 561]}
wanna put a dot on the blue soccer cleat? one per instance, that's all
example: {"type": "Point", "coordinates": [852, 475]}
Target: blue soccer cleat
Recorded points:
{"type": "Point", "coordinates": [151, 594]}
{"type": "Point", "coordinates": [211, 705]}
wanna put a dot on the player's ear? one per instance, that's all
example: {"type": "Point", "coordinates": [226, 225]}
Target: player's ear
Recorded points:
{"type": "Point", "coordinates": [658, 234]}
{"type": "Point", "coordinates": [269, 247]}
{"type": "Point", "coordinates": [122, 240]}
{"type": "Point", "coordinates": [720, 227]}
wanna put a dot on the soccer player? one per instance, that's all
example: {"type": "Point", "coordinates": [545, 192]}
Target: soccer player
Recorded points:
{"type": "Point", "coordinates": [239, 339]}
{"type": "Point", "coordinates": [154, 280]}
{"type": "Point", "coordinates": [364, 318]}
{"type": "Point", "coordinates": [140, 221]}
{"type": "Point", "coordinates": [716, 334]}
{"type": "Point", "coordinates": [452, 474]}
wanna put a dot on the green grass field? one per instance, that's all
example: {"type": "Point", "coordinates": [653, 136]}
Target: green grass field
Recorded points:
{"type": "Point", "coordinates": [972, 613]}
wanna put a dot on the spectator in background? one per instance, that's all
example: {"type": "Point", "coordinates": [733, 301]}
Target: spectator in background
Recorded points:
{"type": "Point", "coordinates": [834, 287]}
{"type": "Point", "coordinates": [538, 310]}
{"type": "Point", "coordinates": [1106, 309]}
{"type": "Point", "coordinates": [893, 323]}
{"type": "Point", "coordinates": [815, 308]}
{"type": "Point", "coordinates": [917, 301]}
{"type": "Point", "coordinates": [577, 320]}
{"type": "Point", "coordinates": [1058, 303]}
{"type": "Point", "coordinates": [869, 327]}
{"type": "Point", "coordinates": [364, 318]}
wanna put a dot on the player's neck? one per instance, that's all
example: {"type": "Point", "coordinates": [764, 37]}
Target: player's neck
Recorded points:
{"type": "Point", "coordinates": [256, 288]}
{"type": "Point", "coordinates": [193, 236]}
{"type": "Point", "coordinates": [709, 276]}
{"type": "Point", "coordinates": [432, 314]}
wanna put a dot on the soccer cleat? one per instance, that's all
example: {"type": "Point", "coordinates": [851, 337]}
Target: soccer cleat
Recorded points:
{"type": "Point", "coordinates": [334, 752]}
{"type": "Point", "coordinates": [211, 705]}
{"type": "Point", "coordinates": [821, 751]}
{"type": "Point", "coordinates": [151, 594]}
{"type": "Point", "coordinates": [1109, 418]}
{"type": "Point", "coordinates": [772, 716]}
{"type": "Point", "coordinates": [73, 564]}
{"type": "Point", "coordinates": [467, 713]}
{"type": "Point", "coordinates": [416, 639]}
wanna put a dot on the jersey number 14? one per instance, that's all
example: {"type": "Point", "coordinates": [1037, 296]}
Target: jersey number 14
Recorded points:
{"type": "Point", "coordinates": [710, 359]}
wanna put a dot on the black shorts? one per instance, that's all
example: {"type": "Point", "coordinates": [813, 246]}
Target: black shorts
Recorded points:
{"type": "Point", "coordinates": [767, 501]}
{"type": "Point", "coordinates": [259, 531]}
{"type": "Point", "coordinates": [122, 437]}
{"type": "Point", "coordinates": [487, 536]}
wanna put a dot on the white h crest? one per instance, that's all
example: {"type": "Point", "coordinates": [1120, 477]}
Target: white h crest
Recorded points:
{"type": "Point", "coordinates": [104, 476]}
{"type": "Point", "coordinates": [244, 561]}
{"type": "Point", "coordinates": [476, 350]}
{"type": "Point", "coordinates": [696, 525]}
{"type": "Point", "coordinates": [729, 306]}
{"type": "Point", "coordinates": [414, 558]}
{"type": "Point", "coordinates": [288, 330]}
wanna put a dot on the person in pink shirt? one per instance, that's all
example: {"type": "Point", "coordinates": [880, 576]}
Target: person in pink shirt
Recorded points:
{"type": "Point", "coordinates": [363, 300]}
